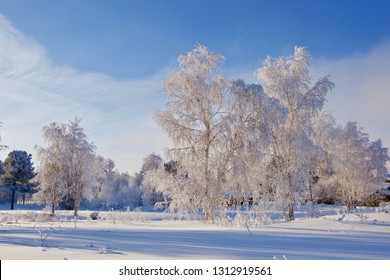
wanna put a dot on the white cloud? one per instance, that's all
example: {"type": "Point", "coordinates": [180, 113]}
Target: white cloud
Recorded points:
{"type": "Point", "coordinates": [34, 92]}
{"type": "Point", "coordinates": [362, 89]}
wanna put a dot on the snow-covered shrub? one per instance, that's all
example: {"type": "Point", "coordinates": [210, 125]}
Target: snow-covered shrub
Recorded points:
{"type": "Point", "coordinates": [44, 234]}
{"type": "Point", "coordinates": [384, 207]}
{"type": "Point", "coordinates": [33, 216]}
{"type": "Point", "coordinates": [94, 216]}
{"type": "Point", "coordinates": [105, 250]}
{"type": "Point", "coordinates": [242, 220]}
{"type": "Point", "coordinates": [138, 216]}
{"type": "Point", "coordinates": [225, 218]}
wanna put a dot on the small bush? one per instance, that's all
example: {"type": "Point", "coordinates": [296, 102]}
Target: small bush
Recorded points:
{"type": "Point", "coordinates": [94, 216]}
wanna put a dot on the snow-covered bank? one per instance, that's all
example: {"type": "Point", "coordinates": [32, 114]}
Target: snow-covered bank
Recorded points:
{"type": "Point", "coordinates": [26, 234]}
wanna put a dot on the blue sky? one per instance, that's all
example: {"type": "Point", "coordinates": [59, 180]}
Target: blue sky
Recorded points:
{"type": "Point", "coordinates": [126, 38]}
{"type": "Point", "coordinates": [104, 61]}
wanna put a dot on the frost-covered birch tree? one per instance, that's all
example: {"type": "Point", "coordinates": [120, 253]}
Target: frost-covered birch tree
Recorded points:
{"type": "Point", "coordinates": [81, 157]}
{"type": "Point", "coordinates": [326, 133]}
{"type": "Point", "coordinates": [359, 165]}
{"type": "Point", "coordinates": [114, 190]}
{"type": "Point", "coordinates": [105, 192]}
{"type": "Point", "coordinates": [194, 119]}
{"type": "Point", "coordinates": [52, 166]}
{"type": "Point", "coordinates": [67, 165]}
{"type": "Point", "coordinates": [150, 195]}
{"type": "Point", "coordinates": [245, 143]}
{"type": "Point", "coordinates": [288, 80]}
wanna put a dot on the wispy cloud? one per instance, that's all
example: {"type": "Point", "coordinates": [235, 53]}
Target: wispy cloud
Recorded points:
{"type": "Point", "coordinates": [362, 89]}
{"type": "Point", "coordinates": [34, 92]}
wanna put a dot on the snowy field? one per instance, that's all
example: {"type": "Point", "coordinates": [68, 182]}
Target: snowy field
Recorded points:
{"type": "Point", "coordinates": [334, 235]}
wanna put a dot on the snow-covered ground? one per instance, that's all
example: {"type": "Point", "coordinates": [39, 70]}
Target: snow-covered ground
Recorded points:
{"type": "Point", "coordinates": [32, 235]}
